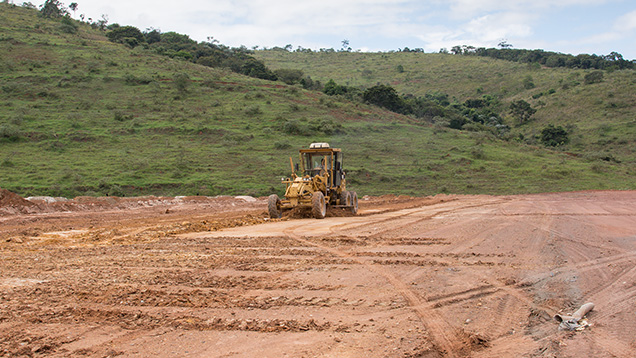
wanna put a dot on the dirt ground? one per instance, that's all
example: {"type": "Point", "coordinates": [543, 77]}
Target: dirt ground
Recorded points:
{"type": "Point", "coordinates": [443, 276]}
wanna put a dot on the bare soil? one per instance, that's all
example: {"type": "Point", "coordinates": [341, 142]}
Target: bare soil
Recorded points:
{"type": "Point", "coordinates": [443, 276]}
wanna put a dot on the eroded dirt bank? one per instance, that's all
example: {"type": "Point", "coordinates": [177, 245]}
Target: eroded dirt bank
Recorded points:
{"type": "Point", "coordinates": [447, 276]}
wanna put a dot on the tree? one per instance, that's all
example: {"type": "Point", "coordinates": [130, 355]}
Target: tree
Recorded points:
{"type": "Point", "coordinates": [345, 46]}
{"type": "Point", "coordinates": [504, 44]}
{"type": "Point", "coordinates": [384, 96]}
{"type": "Point", "coordinates": [289, 76]}
{"type": "Point", "coordinates": [73, 6]}
{"type": "Point", "coordinates": [128, 35]}
{"type": "Point", "coordinates": [333, 89]}
{"type": "Point", "coordinates": [152, 35]}
{"type": "Point", "coordinates": [52, 8]}
{"type": "Point", "coordinates": [554, 136]}
{"type": "Point", "coordinates": [522, 110]}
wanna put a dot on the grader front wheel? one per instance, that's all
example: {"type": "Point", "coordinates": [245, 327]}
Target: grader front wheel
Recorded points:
{"type": "Point", "coordinates": [273, 206]}
{"type": "Point", "coordinates": [318, 205]}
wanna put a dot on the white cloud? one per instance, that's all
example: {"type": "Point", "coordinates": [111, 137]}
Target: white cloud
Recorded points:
{"type": "Point", "coordinates": [471, 8]}
{"type": "Point", "coordinates": [499, 26]}
{"type": "Point", "coordinates": [375, 24]}
{"type": "Point", "coordinates": [626, 22]}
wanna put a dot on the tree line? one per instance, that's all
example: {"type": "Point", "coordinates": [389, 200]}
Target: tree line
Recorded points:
{"type": "Point", "coordinates": [207, 53]}
{"type": "Point", "coordinates": [612, 61]}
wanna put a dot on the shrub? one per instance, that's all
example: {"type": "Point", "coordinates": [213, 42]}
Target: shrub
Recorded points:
{"type": "Point", "coordinates": [253, 110]}
{"type": "Point", "coordinates": [52, 8]}
{"type": "Point", "coordinates": [133, 80]}
{"type": "Point", "coordinates": [281, 145]}
{"type": "Point", "coordinates": [384, 96]}
{"type": "Point", "coordinates": [68, 25]}
{"type": "Point", "coordinates": [181, 82]}
{"type": "Point", "coordinates": [326, 126]}
{"type": "Point", "coordinates": [593, 77]}
{"type": "Point", "coordinates": [129, 35]}
{"type": "Point", "coordinates": [552, 136]}
{"type": "Point", "coordinates": [528, 82]}
{"type": "Point", "coordinates": [10, 132]}
{"type": "Point", "coordinates": [522, 110]}
{"type": "Point", "coordinates": [289, 76]}
{"type": "Point", "coordinates": [120, 116]}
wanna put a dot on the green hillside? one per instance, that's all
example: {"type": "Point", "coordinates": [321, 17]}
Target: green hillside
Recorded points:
{"type": "Point", "coordinates": [80, 115]}
{"type": "Point", "coordinates": [600, 117]}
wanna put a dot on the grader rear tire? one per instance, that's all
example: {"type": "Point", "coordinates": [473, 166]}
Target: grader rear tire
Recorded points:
{"type": "Point", "coordinates": [354, 202]}
{"type": "Point", "coordinates": [345, 198]}
{"type": "Point", "coordinates": [273, 206]}
{"type": "Point", "coordinates": [318, 205]}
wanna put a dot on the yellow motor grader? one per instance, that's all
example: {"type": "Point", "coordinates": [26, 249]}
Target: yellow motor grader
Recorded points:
{"type": "Point", "coordinates": [321, 182]}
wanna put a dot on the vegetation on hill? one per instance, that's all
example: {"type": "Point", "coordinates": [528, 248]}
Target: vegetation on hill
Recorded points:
{"type": "Point", "coordinates": [519, 100]}
{"type": "Point", "coordinates": [83, 115]}
{"type": "Point", "coordinates": [612, 61]}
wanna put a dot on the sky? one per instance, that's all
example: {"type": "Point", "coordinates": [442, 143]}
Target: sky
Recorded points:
{"type": "Point", "coordinates": [566, 26]}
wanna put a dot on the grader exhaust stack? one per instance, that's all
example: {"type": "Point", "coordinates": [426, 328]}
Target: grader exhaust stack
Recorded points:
{"type": "Point", "coordinates": [322, 182]}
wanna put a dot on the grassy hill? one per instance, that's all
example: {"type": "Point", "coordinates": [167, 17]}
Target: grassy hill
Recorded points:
{"type": "Point", "coordinates": [80, 115]}
{"type": "Point", "coordinates": [600, 116]}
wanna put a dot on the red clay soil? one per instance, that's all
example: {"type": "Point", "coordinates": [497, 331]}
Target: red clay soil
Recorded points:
{"type": "Point", "coordinates": [443, 276]}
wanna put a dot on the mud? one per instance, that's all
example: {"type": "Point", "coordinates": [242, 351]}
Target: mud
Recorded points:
{"type": "Point", "coordinates": [443, 276]}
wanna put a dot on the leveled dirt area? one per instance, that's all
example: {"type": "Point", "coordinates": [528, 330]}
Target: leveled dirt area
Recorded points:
{"type": "Point", "coordinates": [446, 276]}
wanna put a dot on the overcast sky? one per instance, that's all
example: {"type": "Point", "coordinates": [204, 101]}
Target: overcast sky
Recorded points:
{"type": "Point", "coordinates": [567, 26]}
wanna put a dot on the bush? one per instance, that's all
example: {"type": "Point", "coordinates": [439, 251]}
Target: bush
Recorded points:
{"type": "Point", "coordinates": [552, 136]}
{"type": "Point", "coordinates": [522, 111]}
{"type": "Point", "coordinates": [68, 25]}
{"type": "Point", "coordinates": [281, 145]}
{"type": "Point", "coordinates": [133, 80]}
{"type": "Point", "coordinates": [253, 110]}
{"type": "Point", "coordinates": [52, 8]}
{"type": "Point", "coordinates": [384, 96]}
{"type": "Point", "coordinates": [528, 82]}
{"type": "Point", "coordinates": [181, 82]}
{"type": "Point", "coordinates": [10, 133]}
{"type": "Point", "coordinates": [120, 116]}
{"type": "Point", "coordinates": [295, 127]}
{"type": "Point", "coordinates": [129, 35]}
{"type": "Point", "coordinates": [326, 126]}
{"type": "Point", "coordinates": [593, 77]}
{"type": "Point", "coordinates": [289, 76]}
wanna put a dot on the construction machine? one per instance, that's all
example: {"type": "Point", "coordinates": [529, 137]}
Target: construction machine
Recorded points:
{"type": "Point", "coordinates": [320, 183]}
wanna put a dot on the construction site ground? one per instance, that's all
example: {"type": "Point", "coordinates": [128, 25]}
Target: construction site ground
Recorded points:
{"type": "Point", "coordinates": [442, 276]}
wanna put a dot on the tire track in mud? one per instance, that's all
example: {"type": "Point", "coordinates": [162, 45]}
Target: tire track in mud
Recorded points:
{"type": "Point", "coordinates": [443, 334]}
{"type": "Point", "coordinates": [445, 337]}
{"type": "Point", "coordinates": [409, 212]}
{"type": "Point", "coordinates": [584, 263]}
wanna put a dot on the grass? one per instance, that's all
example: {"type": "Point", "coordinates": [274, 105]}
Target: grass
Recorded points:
{"type": "Point", "coordinates": [599, 116]}
{"type": "Point", "coordinates": [80, 115]}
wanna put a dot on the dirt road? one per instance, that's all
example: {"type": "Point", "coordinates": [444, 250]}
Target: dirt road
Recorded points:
{"type": "Point", "coordinates": [447, 276]}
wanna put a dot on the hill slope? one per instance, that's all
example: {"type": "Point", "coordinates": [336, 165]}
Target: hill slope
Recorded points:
{"type": "Point", "coordinates": [80, 115]}
{"type": "Point", "coordinates": [599, 116]}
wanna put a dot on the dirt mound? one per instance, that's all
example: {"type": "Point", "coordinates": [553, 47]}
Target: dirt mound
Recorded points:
{"type": "Point", "coordinates": [8, 198]}
{"type": "Point", "coordinates": [13, 203]}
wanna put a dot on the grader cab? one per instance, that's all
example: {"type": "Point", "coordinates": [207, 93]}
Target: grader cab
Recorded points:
{"type": "Point", "coordinates": [320, 183]}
